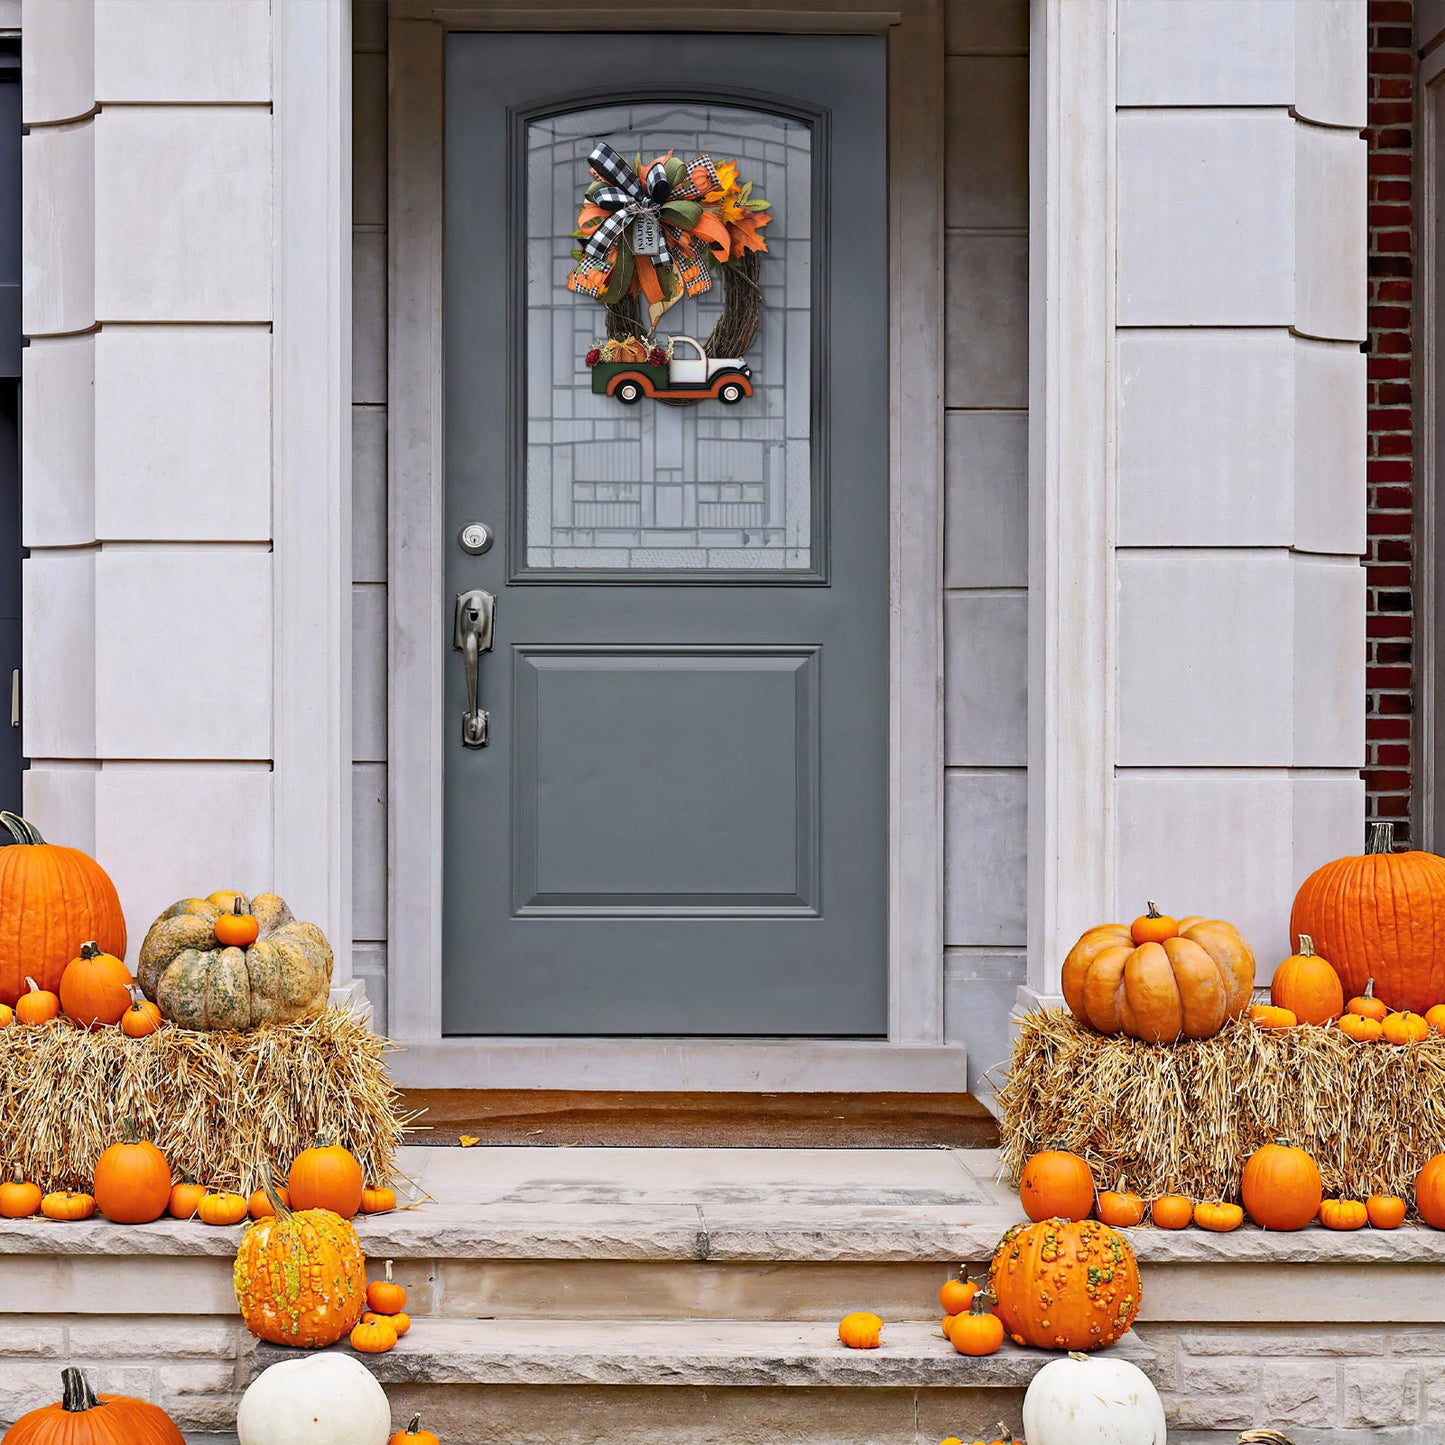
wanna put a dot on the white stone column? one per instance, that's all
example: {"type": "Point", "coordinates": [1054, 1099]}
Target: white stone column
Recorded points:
{"type": "Point", "coordinates": [1201, 698]}
{"type": "Point", "coordinates": [155, 707]}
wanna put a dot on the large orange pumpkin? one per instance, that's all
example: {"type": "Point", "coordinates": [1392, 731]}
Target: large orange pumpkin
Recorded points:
{"type": "Point", "coordinates": [300, 1278]}
{"type": "Point", "coordinates": [51, 900]}
{"type": "Point", "coordinates": [1306, 985]}
{"type": "Point", "coordinates": [1382, 915]}
{"type": "Point", "coordinates": [1281, 1187]}
{"type": "Point", "coordinates": [1185, 987]}
{"type": "Point", "coordinates": [1061, 1285]}
{"type": "Point", "coordinates": [1430, 1192]}
{"type": "Point", "coordinates": [84, 1418]}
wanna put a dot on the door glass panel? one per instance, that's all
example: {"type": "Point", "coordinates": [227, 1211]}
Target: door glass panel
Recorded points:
{"type": "Point", "coordinates": [652, 486]}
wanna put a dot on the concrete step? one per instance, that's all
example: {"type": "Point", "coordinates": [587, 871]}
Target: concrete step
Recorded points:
{"type": "Point", "coordinates": [699, 1353]}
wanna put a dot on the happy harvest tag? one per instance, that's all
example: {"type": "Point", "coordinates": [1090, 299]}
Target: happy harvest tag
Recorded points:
{"type": "Point", "coordinates": [646, 236]}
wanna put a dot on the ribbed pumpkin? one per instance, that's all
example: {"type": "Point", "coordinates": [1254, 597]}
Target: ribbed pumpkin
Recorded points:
{"type": "Point", "coordinates": [1306, 985]}
{"type": "Point", "coordinates": [1381, 915]}
{"type": "Point", "coordinates": [200, 983]}
{"type": "Point", "coordinates": [51, 900]}
{"type": "Point", "coordinates": [84, 1418]}
{"type": "Point", "coordinates": [1061, 1285]}
{"type": "Point", "coordinates": [1281, 1187]}
{"type": "Point", "coordinates": [300, 1278]}
{"type": "Point", "coordinates": [132, 1180]}
{"type": "Point", "coordinates": [1185, 987]}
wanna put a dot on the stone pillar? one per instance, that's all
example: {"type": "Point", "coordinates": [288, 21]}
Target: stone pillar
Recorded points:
{"type": "Point", "coordinates": [160, 695]}
{"type": "Point", "coordinates": [1200, 456]}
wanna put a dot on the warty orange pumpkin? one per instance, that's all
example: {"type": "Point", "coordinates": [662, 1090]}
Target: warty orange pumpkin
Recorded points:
{"type": "Point", "coordinates": [1380, 915]}
{"type": "Point", "coordinates": [300, 1278]}
{"type": "Point", "coordinates": [50, 898]}
{"type": "Point", "coordinates": [1306, 985]}
{"type": "Point", "coordinates": [1064, 1285]}
{"type": "Point", "coordinates": [82, 1417]}
{"type": "Point", "coordinates": [1281, 1187]}
{"type": "Point", "coordinates": [1187, 986]}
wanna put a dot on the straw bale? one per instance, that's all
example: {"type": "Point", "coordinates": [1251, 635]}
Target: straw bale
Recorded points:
{"type": "Point", "coordinates": [1184, 1117]}
{"type": "Point", "coordinates": [223, 1107]}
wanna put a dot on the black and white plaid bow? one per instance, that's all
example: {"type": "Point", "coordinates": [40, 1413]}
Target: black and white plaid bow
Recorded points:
{"type": "Point", "coordinates": [627, 198]}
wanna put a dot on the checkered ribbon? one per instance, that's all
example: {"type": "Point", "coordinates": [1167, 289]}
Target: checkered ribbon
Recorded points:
{"type": "Point", "coordinates": [626, 198]}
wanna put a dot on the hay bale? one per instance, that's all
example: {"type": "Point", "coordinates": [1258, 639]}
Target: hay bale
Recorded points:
{"type": "Point", "coordinates": [223, 1107]}
{"type": "Point", "coordinates": [1184, 1117]}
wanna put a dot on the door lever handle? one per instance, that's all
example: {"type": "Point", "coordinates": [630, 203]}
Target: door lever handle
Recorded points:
{"type": "Point", "coordinates": [472, 636]}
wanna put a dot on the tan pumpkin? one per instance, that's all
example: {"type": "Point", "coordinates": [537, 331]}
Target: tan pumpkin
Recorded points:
{"type": "Point", "coordinates": [1187, 987]}
{"type": "Point", "coordinates": [200, 983]}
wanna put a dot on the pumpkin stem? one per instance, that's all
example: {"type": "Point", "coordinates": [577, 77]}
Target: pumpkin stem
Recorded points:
{"type": "Point", "coordinates": [1306, 946]}
{"type": "Point", "coordinates": [388, 1271]}
{"type": "Point", "coordinates": [1079, 1355]}
{"type": "Point", "coordinates": [982, 1302]}
{"type": "Point", "coordinates": [1153, 911]}
{"type": "Point", "coordinates": [1369, 988]}
{"type": "Point", "coordinates": [34, 987]}
{"type": "Point", "coordinates": [20, 830]}
{"type": "Point", "coordinates": [77, 1394]}
{"type": "Point", "coordinates": [128, 1133]}
{"type": "Point", "coordinates": [268, 1185]}
{"type": "Point", "coordinates": [17, 1175]}
{"type": "Point", "coordinates": [415, 1425]}
{"type": "Point", "coordinates": [90, 949]}
{"type": "Point", "coordinates": [236, 906]}
{"type": "Point", "coordinates": [1381, 839]}
{"type": "Point", "coordinates": [135, 996]}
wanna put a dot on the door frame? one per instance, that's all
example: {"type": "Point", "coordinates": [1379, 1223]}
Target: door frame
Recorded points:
{"type": "Point", "coordinates": [914, 1055]}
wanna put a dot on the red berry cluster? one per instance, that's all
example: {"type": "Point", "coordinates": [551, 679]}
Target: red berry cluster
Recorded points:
{"type": "Point", "coordinates": [657, 357]}
{"type": "Point", "coordinates": [592, 357]}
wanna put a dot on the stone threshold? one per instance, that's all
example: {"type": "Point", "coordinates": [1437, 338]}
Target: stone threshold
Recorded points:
{"type": "Point", "coordinates": [707, 1353]}
{"type": "Point", "coordinates": [723, 1232]}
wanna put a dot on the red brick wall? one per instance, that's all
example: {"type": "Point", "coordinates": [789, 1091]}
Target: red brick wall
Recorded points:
{"type": "Point", "coordinates": [1390, 468]}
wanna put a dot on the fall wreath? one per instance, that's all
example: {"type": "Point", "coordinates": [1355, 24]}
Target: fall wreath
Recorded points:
{"type": "Point", "coordinates": [656, 233]}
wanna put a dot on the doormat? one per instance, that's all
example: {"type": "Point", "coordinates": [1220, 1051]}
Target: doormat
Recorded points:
{"type": "Point", "coordinates": [555, 1118]}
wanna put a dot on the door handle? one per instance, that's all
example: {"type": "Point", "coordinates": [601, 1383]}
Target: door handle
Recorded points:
{"type": "Point", "coordinates": [472, 636]}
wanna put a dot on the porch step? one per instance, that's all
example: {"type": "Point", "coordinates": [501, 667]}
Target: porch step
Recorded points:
{"type": "Point", "coordinates": [699, 1353]}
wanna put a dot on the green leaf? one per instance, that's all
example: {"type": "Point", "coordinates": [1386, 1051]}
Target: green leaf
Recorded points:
{"type": "Point", "coordinates": [668, 276]}
{"type": "Point", "coordinates": [620, 279]}
{"type": "Point", "coordinates": [746, 191]}
{"type": "Point", "coordinates": [760, 205]}
{"type": "Point", "coordinates": [577, 257]}
{"type": "Point", "coordinates": [676, 170]}
{"type": "Point", "coordinates": [637, 163]}
{"type": "Point", "coordinates": [592, 189]}
{"type": "Point", "coordinates": [682, 213]}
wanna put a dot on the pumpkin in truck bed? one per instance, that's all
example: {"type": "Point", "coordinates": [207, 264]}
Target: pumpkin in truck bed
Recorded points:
{"type": "Point", "coordinates": [201, 982]}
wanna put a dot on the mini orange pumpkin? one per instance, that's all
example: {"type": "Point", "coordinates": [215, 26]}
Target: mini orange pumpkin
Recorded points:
{"type": "Point", "coordinates": [141, 1019]}
{"type": "Point", "coordinates": [1281, 1187]}
{"type": "Point", "coordinates": [1343, 1214]}
{"type": "Point", "coordinates": [1271, 1018]}
{"type": "Point", "coordinates": [377, 1200]}
{"type": "Point", "coordinates": [1306, 985]}
{"type": "Point", "coordinates": [1153, 926]}
{"type": "Point", "coordinates": [38, 1005]}
{"type": "Point", "coordinates": [1218, 1216]}
{"type": "Point", "coordinates": [1172, 1211]}
{"type": "Point", "coordinates": [1119, 1208]}
{"type": "Point", "coordinates": [236, 929]}
{"type": "Point", "coordinates": [400, 1322]}
{"type": "Point", "coordinates": [132, 1180]}
{"type": "Point", "coordinates": [1405, 1028]}
{"type": "Point", "coordinates": [956, 1294]}
{"type": "Point", "coordinates": [186, 1196]}
{"type": "Point", "coordinates": [7, 1015]}
{"type": "Point", "coordinates": [222, 1208]}
{"type": "Point", "coordinates": [861, 1330]}
{"type": "Point", "coordinates": [375, 1337]}
{"type": "Point", "coordinates": [1430, 1192]}
{"type": "Point", "coordinates": [980, 1331]}
{"type": "Point", "coordinates": [67, 1204]}
{"type": "Point", "coordinates": [1361, 1029]}
{"type": "Point", "coordinates": [1386, 1211]}
{"type": "Point", "coordinates": [95, 988]}
{"type": "Point", "coordinates": [259, 1204]}
{"type": "Point", "coordinates": [1366, 1005]}
{"type": "Point", "coordinates": [414, 1435]}
{"type": "Point", "coordinates": [384, 1295]}
{"type": "Point", "coordinates": [18, 1199]}
{"type": "Point", "coordinates": [326, 1177]}
{"type": "Point", "coordinates": [1057, 1185]}
{"type": "Point", "coordinates": [1435, 1017]}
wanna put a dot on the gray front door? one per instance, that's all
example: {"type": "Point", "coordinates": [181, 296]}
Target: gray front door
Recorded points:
{"type": "Point", "coordinates": [678, 823]}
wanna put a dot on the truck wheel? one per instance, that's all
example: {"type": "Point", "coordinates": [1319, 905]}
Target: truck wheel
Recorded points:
{"type": "Point", "coordinates": [629, 392]}
{"type": "Point", "coordinates": [731, 393]}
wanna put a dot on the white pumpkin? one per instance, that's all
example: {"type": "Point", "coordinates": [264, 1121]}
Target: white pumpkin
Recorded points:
{"type": "Point", "coordinates": [1089, 1400]}
{"type": "Point", "coordinates": [318, 1400]}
